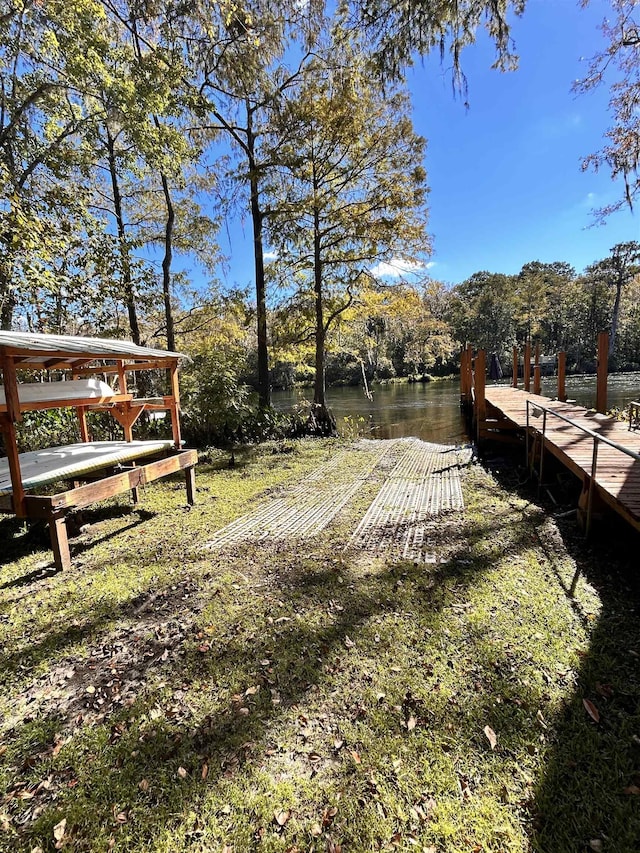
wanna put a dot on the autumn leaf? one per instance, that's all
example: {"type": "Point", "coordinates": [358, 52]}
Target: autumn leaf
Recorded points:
{"type": "Point", "coordinates": [411, 723]}
{"type": "Point", "coordinates": [205, 771]}
{"type": "Point", "coordinates": [59, 829]}
{"type": "Point", "coordinates": [356, 757]}
{"type": "Point", "coordinates": [143, 784]}
{"type": "Point", "coordinates": [633, 790]}
{"type": "Point", "coordinates": [491, 736]}
{"type": "Point", "coordinates": [328, 815]}
{"type": "Point", "coordinates": [281, 817]}
{"type": "Point", "coordinates": [348, 642]}
{"type": "Point", "coordinates": [591, 709]}
{"type": "Point", "coordinates": [182, 773]}
{"type": "Point", "coordinates": [316, 830]}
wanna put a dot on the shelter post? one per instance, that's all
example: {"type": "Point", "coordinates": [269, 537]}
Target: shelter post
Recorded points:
{"type": "Point", "coordinates": [562, 372]}
{"type": "Point", "coordinates": [603, 369]}
{"type": "Point", "coordinates": [174, 408]}
{"type": "Point", "coordinates": [514, 373]}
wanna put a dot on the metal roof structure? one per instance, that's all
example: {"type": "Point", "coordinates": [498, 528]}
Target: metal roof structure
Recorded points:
{"type": "Point", "coordinates": [39, 349]}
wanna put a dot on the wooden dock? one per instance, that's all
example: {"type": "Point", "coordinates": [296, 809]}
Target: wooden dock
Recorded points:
{"type": "Point", "coordinates": [567, 432]}
{"type": "Point", "coordinates": [603, 453]}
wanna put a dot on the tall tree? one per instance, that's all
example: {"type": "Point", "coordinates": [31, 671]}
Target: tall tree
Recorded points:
{"type": "Point", "coordinates": [47, 50]}
{"type": "Point", "coordinates": [352, 191]}
{"type": "Point", "coordinates": [617, 270]}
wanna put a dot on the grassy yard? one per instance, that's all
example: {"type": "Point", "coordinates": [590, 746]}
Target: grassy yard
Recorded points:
{"type": "Point", "coordinates": [296, 696]}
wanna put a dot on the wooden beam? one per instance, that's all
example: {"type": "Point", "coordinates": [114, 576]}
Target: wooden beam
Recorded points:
{"type": "Point", "coordinates": [562, 373]}
{"type": "Point", "coordinates": [108, 487]}
{"type": "Point", "coordinates": [479, 383]}
{"type": "Point", "coordinates": [13, 458]}
{"type": "Point", "coordinates": [537, 381]}
{"type": "Point", "coordinates": [603, 369]}
{"type": "Point", "coordinates": [59, 541]}
{"type": "Point", "coordinates": [526, 368]}
{"type": "Point", "coordinates": [174, 405]}
{"type": "Point", "coordinates": [514, 368]}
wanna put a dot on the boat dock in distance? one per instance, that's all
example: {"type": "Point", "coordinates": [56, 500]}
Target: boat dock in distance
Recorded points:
{"type": "Point", "coordinates": [603, 453]}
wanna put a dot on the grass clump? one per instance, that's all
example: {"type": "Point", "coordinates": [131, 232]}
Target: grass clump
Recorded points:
{"type": "Point", "coordinates": [297, 696]}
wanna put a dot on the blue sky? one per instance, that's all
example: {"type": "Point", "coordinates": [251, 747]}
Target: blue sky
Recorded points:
{"type": "Point", "coordinates": [505, 177]}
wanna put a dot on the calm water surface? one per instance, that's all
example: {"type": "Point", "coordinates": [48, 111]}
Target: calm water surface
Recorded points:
{"type": "Point", "coordinates": [431, 411]}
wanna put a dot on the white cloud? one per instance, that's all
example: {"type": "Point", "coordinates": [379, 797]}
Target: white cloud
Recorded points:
{"type": "Point", "coordinates": [271, 256]}
{"type": "Point", "coordinates": [398, 268]}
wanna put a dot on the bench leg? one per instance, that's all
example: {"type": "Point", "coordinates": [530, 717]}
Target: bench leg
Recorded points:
{"type": "Point", "coordinates": [190, 475]}
{"type": "Point", "coordinates": [59, 542]}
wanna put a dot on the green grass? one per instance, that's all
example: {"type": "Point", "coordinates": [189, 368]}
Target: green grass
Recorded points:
{"type": "Point", "coordinates": [297, 697]}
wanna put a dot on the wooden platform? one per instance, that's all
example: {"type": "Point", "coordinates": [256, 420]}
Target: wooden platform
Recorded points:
{"type": "Point", "coordinates": [617, 476]}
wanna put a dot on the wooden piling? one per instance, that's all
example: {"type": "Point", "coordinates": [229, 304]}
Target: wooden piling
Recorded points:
{"type": "Point", "coordinates": [526, 367]}
{"type": "Point", "coordinates": [603, 369]}
{"type": "Point", "coordinates": [514, 369]}
{"type": "Point", "coordinates": [537, 380]}
{"type": "Point", "coordinates": [479, 383]}
{"type": "Point", "coordinates": [562, 373]}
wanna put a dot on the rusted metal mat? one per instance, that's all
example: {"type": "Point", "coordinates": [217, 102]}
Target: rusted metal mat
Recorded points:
{"type": "Point", "coordinates": [308, 507]}
{"type": "Point", "coordinates": [424, 483]}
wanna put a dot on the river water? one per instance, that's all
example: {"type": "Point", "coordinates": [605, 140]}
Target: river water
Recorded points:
{"type": "Point", "coordinates": [431, 410]}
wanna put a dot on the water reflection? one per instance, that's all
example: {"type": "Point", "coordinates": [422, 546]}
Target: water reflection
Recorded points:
{"type": "Point", "coordinates": [431, 411]}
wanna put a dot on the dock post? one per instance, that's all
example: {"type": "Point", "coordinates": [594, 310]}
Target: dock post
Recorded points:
{"type": "Point", "coordinates": [537, 382]}
{"type": "Point", "coordinates": [562, 373]}
{"type": "Point", "coordinates": [603, 369]}
{"type": "Point", "coordinates": [479, 386]}
{"type": "Point", "coordinates": [526, 367]}
{"type": "Point", "coordinates": [514, 369]}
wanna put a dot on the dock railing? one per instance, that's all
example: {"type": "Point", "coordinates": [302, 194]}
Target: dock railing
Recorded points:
{"type": "Point", "coordinates": [597, 440]}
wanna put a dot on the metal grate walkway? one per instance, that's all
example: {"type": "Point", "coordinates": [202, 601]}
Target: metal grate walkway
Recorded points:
{"type": "Point", "coordinates": [307, 508]}
{"type": "Point", "coordinates": [424, 483]}
{"type": "Point", "coordinates": [420, 480]}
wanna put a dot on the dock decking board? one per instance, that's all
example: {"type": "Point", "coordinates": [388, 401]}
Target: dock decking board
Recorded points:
{"type": "Point", "coordinates": [617, 477]}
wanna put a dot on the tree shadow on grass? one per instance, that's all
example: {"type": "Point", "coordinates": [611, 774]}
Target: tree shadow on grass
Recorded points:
{"type": "Point", "coordinates": [588, 796]}
{"type": "Point", "coordinates": [189, 700]}
{"type": "Point", "coordinates": [23, 539]}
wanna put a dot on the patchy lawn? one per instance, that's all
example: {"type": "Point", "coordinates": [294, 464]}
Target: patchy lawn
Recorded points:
{"type": "Point", "coordinates": [296, 696]}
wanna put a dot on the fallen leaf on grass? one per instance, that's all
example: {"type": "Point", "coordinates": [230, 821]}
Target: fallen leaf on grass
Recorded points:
{"type": "Point", "coordinates": [595, 844]}
{"type": "Point", "coordinates": [591, 710]}
{"type": "Point", "coordinates": [491, 736]}
{"type": "Point", "coordinates": [356, 757]}
{"type": "Point", "coordinates": [59, 829]}
{"type": "Point", "coordinates": [316, 830]}
{"type": "Point", "coordinates": [328, 815]}
{"type": "Point", "coordinates": [348, 642]}
{"type": "Point", "coordinates": [281, 817]}
{"type": "Point", "coordinates": [182, 773]}
{"type": "Point", "coordinates": [143, 784]}
{"type": "Point", "coordinates": [633, 790]}
{"type": "Point", "coordinates": [411, 723]}
{"type": "Point", "coordinates": [204, 771]}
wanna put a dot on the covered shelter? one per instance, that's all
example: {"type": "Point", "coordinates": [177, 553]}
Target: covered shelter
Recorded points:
{"type": "Point", "coordinates": [95, 375]}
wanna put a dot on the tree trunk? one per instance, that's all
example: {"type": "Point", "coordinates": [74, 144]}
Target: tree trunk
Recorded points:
{"type": "Point", "coordinates": [127, 281]}
{"type": "Point", "coordinates": [615, 316]}
{"type": "Point", "coordinates": [264, 385]}
{"type": "Point", "coordinates": [321, 419]}
{"type": "Point", "coordinates": [166, 265]}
